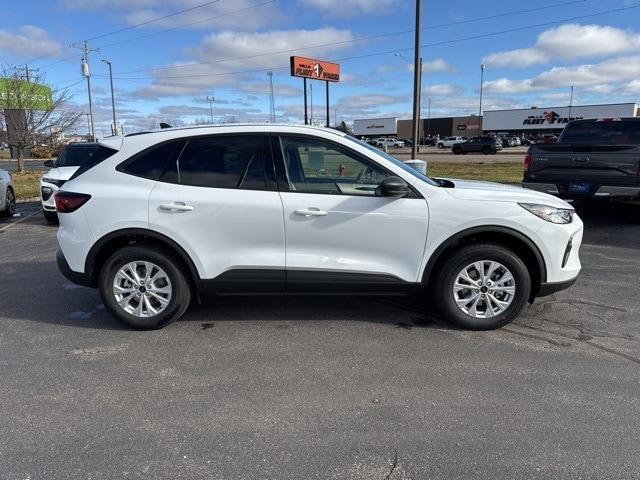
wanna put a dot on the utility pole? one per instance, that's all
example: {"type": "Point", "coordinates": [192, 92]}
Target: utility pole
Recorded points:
{"type": "Point", "coordinates": [86, 72]}
{"type": "Point", "coordinates": [88, 123]}
{"type": "Point", "coordinates": [210, 100]}
{"type": "Point", "coordinates": [417, 80]}
{"type": "Point", "coordinates": [429, 117]}
{"type": "Point", "coordinates": [480, 108]}
{"type": "Point", "coordinates": [272, 105]}
{"type": "Point", "coordinates": [311, 98]}
{"type": "Point", "coordinates": [570, 102]}
{"type": "Point", "coordinates": [114, 129]}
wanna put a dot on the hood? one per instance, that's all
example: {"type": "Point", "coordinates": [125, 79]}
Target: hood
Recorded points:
{"type": "Point", "coordinates": [61, 173]}
{"type": "Point", "coordinates": [499, 192]}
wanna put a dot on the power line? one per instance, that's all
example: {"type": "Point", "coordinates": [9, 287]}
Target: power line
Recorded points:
{"type": "Point", "coordinates": [153, 20]}
{"type": "Point", "coordinates": [344, 42]}
{"type": "Point", "coordinates": [190, 24]}
{"type": "Point", "coordinates": [387, 52]}
{"type": "Point", "coordinates": [373, 37]}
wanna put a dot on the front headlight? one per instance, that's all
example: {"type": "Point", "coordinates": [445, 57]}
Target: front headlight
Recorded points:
{"type": "Point", "coordinates": [548, 213]}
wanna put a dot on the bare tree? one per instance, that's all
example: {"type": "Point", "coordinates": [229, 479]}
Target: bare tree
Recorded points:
{"type": "Point", "coordinates": [28, 123]}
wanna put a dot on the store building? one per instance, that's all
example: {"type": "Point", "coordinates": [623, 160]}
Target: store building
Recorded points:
{"type": "Point", "coordinates": [550, 120]}
{"type": "Point", "coordinates": [444, 126]}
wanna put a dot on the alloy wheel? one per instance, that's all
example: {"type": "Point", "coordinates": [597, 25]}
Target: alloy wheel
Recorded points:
{"type": "Point", "coordinates": [484, 289]}
{"type": "Point", "coordinates": [142, 289]}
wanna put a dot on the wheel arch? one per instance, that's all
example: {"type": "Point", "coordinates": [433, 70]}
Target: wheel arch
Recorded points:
{"type": "Point", "coordinates": [505, 236]}
{"type": "Point", "coordinates": [106, 245]}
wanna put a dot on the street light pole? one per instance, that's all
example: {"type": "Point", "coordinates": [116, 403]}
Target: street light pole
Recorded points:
{"type": "Point", "coordinates": [417, 80]}
{"type": "Point", "coordinates": [480, 107]}
{"type": "Point", "coordinates": [570, 102]}
{"type": "Point", "coordinates": [114, 130]}
{"type": "Point", "coordinates": [429, 118]}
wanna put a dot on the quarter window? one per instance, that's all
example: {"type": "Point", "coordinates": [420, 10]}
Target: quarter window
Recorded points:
{"type": "Point", "coordinates": [151, 164]}
{"type": "Point", "coordinates": [317, 166]}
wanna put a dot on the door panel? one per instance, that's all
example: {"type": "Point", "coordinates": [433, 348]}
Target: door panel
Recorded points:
{"type": "Point", "coordinates": [358, 234]}
{"type": "Point", "coordinates": [335, 222]}
{"type": "Point", "coordinates": [227, 228]}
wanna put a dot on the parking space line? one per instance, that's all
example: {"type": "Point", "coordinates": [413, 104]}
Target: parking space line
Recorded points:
{"type": "Point", "coordinates": [8, 226]}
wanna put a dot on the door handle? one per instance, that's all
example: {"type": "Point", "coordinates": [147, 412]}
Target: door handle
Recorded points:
{"type": "Point", "coordinates": [176, 207]}
{"type": "Point", "coordinates": [311, 212]}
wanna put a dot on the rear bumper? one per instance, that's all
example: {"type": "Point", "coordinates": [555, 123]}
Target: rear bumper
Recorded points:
{"type": "Point", "coordinates": [78, 278]}
{"type": "Point", "coordinates": [548, 288]}
{"type": "Point", "coordinates": [603, 191]}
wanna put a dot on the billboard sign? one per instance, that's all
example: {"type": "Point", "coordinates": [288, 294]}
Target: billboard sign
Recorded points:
{"type": "Point", "coordinates": [376, 126]}
{"type": "Point", "coordinates": [552, 117]}
{"type": "Point", "coordinates": [21, 95]}
{"type": "Point", "coordinates": [315, 69]}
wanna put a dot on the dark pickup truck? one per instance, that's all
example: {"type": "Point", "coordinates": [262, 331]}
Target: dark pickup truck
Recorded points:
{"type": "Point", "coordinates": [592, 158]}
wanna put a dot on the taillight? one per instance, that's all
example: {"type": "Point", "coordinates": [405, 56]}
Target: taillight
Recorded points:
{"type": "Point", "coordinates": [67, 202]}
{"type": "Point", "coordinates": [528, 158]}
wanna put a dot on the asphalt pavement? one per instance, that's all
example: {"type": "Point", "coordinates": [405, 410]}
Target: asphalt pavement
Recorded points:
{"type": "Point", "coordinates": [320, 387]}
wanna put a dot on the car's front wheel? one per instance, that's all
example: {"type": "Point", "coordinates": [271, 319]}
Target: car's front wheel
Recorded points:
{"type": "Point", "coordinates": [482, 287]}
{"type": "Point", "coordinates": [144, 287]}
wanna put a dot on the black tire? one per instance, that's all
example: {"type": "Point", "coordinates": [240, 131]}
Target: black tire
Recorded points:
{"type": "Point", "coordinates": [446, 277]}
{"type": "Point", "coordinates": [440, 145]}
{"type": "Point", "coordinates": [456, 150]}
{"type": "Point", "coordinates": [181, 294]}
{"type": "Point", "coordinates": [10, 203]}
{"type": "Point", "coordinates": [51, 217]}
{"type": "Point", "coordinates": [487, 150]}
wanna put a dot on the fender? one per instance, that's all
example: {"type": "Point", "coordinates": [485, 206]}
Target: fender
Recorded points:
{"type": "Point", "coordinates": [480, 230]}
{"type": "Point", "coordinates": [125, 232]}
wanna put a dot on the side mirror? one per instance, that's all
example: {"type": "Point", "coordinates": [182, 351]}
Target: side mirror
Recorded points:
{"type": "Point", "coordinates": [49, 163]}
{"type": "Point", "coordinates": [393, 187]}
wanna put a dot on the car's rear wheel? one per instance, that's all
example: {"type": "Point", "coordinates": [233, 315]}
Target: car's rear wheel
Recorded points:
{"type": "Point", "coordinates": [144, 287]}
{"type": "Point", "coordinates": [10, 203]}
{"type": "Point", "coordinates": [456, 150]}
{"type": "Point", "coordinates": [482, 287]}
{"type": "Point", "coordinates": [51, 217]}
{"type": "Point", "coordinates": [487, 150]}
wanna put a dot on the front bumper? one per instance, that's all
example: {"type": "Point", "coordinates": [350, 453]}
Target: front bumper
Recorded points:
{"type": "Point", "coordinates": [78, 278]}
{"type": "Point", "coordinates": [549, 288]}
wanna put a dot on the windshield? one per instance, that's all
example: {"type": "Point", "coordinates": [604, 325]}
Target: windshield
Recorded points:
{"type": "Point", "coordinates": [395, 161]}
{"type": "Point", "coordinates": [76, 156]}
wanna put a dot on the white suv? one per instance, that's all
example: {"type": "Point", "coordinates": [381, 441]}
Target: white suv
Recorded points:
{"type": "Point", "coordinates": [71, 157]}
{"type": "Point", "coordinates": [177, 213]}
{"type": "Point", "coordinates": [389, 142]}
{"type": "Point", "coordinates": [451, 141]}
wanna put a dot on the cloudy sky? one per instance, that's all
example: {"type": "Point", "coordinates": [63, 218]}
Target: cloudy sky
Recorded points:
{"type": "Point", "coordinates": [168, 55]}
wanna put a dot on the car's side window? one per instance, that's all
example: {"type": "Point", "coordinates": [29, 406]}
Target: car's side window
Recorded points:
{"type": "Point", "coordinates": [221, 161]}
{"type": "Point", "coordinates": [151, 163]}
{"type": "Point", "coordinates": [318, 166]}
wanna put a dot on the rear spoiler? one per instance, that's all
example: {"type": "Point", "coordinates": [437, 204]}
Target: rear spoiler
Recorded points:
{"type": "Point", "coordinates": [113, 142]}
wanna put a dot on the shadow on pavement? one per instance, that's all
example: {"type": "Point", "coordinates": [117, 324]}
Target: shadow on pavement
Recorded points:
{"type": "Point", "coordinates": [611, 223]}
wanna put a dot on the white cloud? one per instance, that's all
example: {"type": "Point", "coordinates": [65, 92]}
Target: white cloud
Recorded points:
{"type": "Point", "coordinates": [568, 42]}
{"type": "Point", "coordinates": [368, 104]}
{"type": "Point", "coordinates": [245, 52]}
{"type": "Point", "coordinates": [340, 7]}
{"type": "Point", "coordinates": [28, 41]}
{"type": "Point", "coordinates": [441, 89]}
{"type": "Point", "coordinates": [437, 65]}
{"type": "Point", "coordinates": [519, 58]}
{"type": "Point", "coordinates": [506, 85]}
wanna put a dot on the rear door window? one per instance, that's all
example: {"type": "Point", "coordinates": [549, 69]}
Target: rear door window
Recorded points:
{"type": "Point", "coordinates": [222, 161]}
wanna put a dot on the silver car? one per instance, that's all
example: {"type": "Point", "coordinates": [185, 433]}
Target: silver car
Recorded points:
{"type": "Point", "coordinates": [7, 195]}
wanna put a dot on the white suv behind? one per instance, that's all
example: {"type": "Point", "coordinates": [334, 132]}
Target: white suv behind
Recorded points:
{"type": "Point", "coordinates": [71, 157]}
{"type": "Point", "coordinates": [389, 142]}
{"type": "Point", "coordinates": [265, 209]}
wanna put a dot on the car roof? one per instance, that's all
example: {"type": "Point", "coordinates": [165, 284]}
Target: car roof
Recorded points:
{"type": "Point", "coordinates": [250, 127]}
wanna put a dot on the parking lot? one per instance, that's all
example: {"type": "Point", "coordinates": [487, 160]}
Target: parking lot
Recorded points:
{"type": "Point", "coordinates": [320, 387]}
